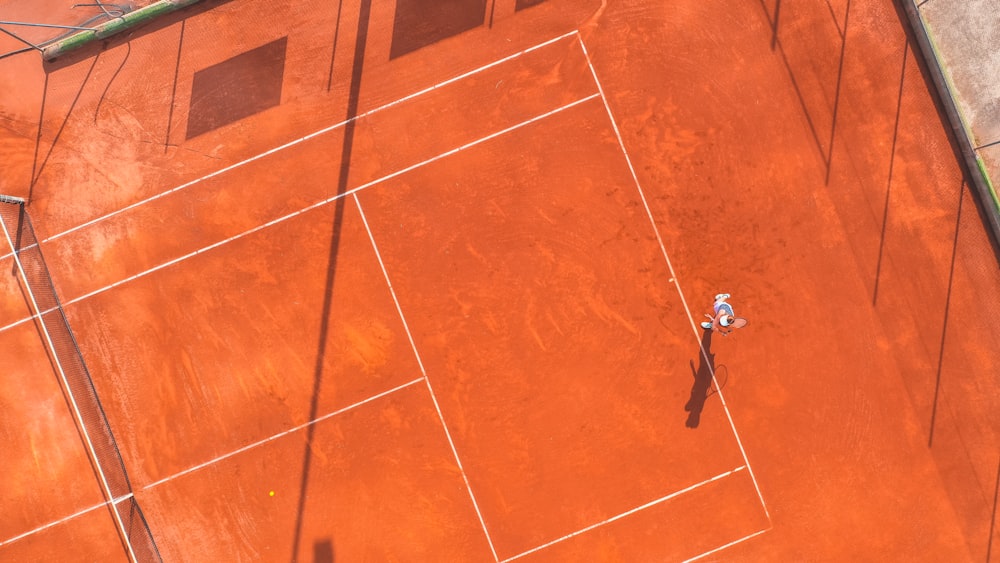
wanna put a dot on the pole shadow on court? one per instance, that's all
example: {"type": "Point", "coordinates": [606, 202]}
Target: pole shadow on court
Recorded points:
{"type": "Point", "coordinates": [39, 162]}
{"type": "Point", "coordinates": [702, 380]}
{"type": "Point", "coordinates": [323, 551]}
{"type": "Point", "coordinates": [413, 28]}
{"type": "Point", "coordinates": [320, 551]}
{"type": "Point", "coordinates": [825, 152]}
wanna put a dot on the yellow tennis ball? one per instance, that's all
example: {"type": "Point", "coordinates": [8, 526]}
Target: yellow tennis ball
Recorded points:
{"type": "Point", "coordinates": [271, 493]}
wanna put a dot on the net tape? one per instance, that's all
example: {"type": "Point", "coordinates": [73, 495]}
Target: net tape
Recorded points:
{"type": "Point", "coordinates": [67, 353]}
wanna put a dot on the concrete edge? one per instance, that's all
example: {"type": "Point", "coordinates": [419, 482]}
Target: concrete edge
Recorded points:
{"type": "Point", "coordinates": [974, 167]}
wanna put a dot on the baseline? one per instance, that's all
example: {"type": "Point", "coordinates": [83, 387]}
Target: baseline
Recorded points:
{"type": "Point", "coordinates": [627, 513]}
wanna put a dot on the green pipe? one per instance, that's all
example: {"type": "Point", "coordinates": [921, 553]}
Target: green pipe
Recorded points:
{"type": "Point", "coordinates": [112, 27]}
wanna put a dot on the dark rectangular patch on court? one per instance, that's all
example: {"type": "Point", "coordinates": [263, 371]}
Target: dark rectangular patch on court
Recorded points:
{"type": "Point", "coordinates": [419, 23]}
{"type": "Point", "coordinates": [236, 88]}
{"type": "Point", "coordinates": [522, 4]}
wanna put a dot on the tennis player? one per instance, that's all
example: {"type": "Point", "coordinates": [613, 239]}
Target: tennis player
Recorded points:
{"type": "Point", "coordinates": [724, 316]}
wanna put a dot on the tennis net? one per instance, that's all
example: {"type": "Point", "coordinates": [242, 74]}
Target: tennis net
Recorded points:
{"type": "Point", "coordinates": [67, 360]}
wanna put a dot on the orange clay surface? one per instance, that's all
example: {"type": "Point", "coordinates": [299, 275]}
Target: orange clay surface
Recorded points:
{"type": "Point", "coordinates": [462, 326]}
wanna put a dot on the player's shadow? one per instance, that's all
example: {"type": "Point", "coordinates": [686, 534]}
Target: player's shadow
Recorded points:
{"type": "Point", "coordinates": [702, 380]}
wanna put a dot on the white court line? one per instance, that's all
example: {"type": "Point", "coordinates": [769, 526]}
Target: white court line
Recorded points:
{"type": "Point", "coordinates": [406, 327]}
{"type": "Point", "coordinates": [33, 315]}
{"type": "Point", "coordinates": [430, 390]}
{"type": "Point", "coordinates": [280, 434]}
{"type": "Point", "coordinates": [220, 458]}
{"type": "Point", "coordinates": [29, 319]}
{"type": "Point", "coordinates": [627, 513]}
{"type": "Point", "coordinates": [673, 275]}
{"type": "Point", "coordinates": [310, 136]}
{"type": "Point", "coordinates": [354, 191]}
{"type": "Point", "coordinates": [323, 202]}
{"type": "Point", "coordinates": [730, 544]}
{"type": "Point", "coordinates": [316, 205]}
{"type": "Point", "coordinates": [62, 520]}
{"type": "Point", "coordinates": [23, 248]}
{"type": "Point", "coordinates": [105, 488]}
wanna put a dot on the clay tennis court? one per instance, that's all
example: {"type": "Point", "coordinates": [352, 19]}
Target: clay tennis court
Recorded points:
{"type": "Point", "coordinates": [384, 281]}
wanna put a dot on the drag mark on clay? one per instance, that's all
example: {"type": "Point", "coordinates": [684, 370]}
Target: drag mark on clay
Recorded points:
{"type": "Point", "coordinates": [606, 313]}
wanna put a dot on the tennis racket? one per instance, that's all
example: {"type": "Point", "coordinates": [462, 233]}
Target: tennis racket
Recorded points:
{"type": "Point", "coordinates": [721, 378]}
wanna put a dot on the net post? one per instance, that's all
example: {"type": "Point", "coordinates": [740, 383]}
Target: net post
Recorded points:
{"type": "Point", "coordinates": [11, 199]}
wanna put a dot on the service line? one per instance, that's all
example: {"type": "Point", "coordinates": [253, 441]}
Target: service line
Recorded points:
{"type": "Point", "coordinates": [284, 433]}
{"type": "Point", "coordinates": [215, 460]}
{"type": "Point", "coordinates": [59, 521]}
